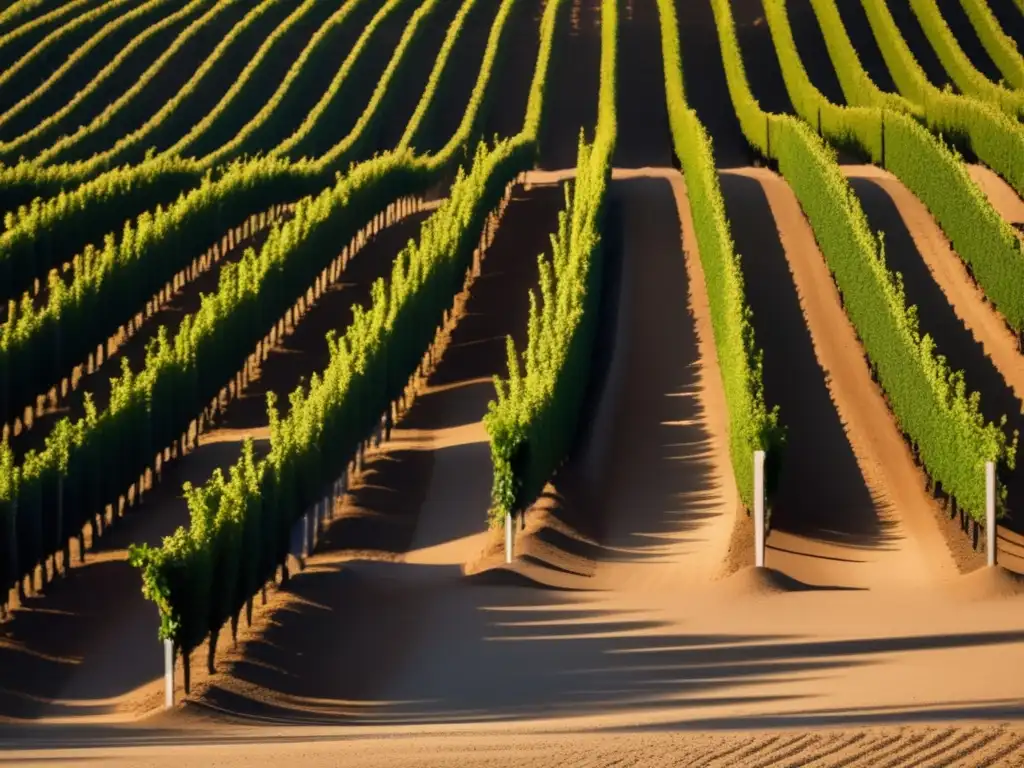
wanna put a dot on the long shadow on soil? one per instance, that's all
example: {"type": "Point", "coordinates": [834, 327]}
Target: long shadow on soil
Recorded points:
{"type": "Point", "coordinates": [960, 24]}
{"type": "Point", "coordinates": [445, 653]}
{"type": "Point", "coordinates": [573, 81]}
{"type": "Point", "coordinates": [937, 319]}
{"type": "Point", "coordinates": [509, 87]}
{"type": "Point", "coordinates": [101, 604]}
{"type": "Point", "coordinates": [644, 136]}
{"type": "Point", "coordinates": [858, 28]}
{"type": "Point", "coordinates": [384, 508]}
{"type": "Point", "coordinates": [95, 623]}
{"type": "Point", "coordinates": [1010, 19]}
{"type": "Point", "coordinates": [821, 492]}
{"type": "Point", "coordinates": [917, 41]}
{"type": "Point", "coordinates": [460, 75]}
{"type": "Point", "coordinates": [707, 91]}
{"type": "Point", "coordinates": [810, 46]}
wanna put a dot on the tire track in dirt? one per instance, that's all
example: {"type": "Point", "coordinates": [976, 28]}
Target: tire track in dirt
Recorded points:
{"type": "Point", "coordinates": [951, 308]}
{"type": "Point", "coordinates": [572, 84]}
{"type": "Point", "coordinates": [850, 509]}
{"type": "Point", "coordinates": [74, 650]}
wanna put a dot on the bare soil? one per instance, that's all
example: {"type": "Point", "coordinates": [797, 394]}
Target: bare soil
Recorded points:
{"type": "Point", "coordinates": [457, 81]}
{"type": "Point", "coordinates": [851, 510]}
{"type": "Point", "coordinates": [572, 85]}
{"type": "Point", "coordinates": [56, 671]}
{"type": "Point", "coordinates": [165, 84]}
{"type": "Point", "coordinates": [952, 310]}
{"type": "Point", "coordinates": [643, 654]}
{"type": "Point", "coordinates": [917, 41]}
{"type": "Point", "coordinates": [960, 24]}
{"type": "Point", "coordinates": [122, 78]}
{"type": "Point", "coordinates": [513, 70]}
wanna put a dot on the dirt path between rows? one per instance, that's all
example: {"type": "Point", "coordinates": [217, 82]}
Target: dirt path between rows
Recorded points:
{"type": "Point", "coordinates": [78, 649]}
{"type": "Point", "coordinates": [851, 510]}
{"type": "Point", "coordinates": [385, 652]}
{"type": "Point", "coordinates": [952, 308]}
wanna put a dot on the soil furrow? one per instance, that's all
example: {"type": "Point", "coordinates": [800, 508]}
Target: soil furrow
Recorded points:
{"type": "Point", "coordinates": [73, 650]}
{"type": "Point", "coordinates": [572, 84]}
{"type": "Point", "coordinates": [911, 31]}
{"type": "Point", "coordinates": [950, 308]}
{"type": "Point", "coordinates": [130, 344]}
{"type": "Point", "coordinates": [850, 509]}
{"type": "Point", "coordinates": [170, 79]}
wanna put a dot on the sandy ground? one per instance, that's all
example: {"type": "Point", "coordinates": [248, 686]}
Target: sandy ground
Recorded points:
{"type": "Point", "coordinates": [651, 658]}
{"type": "Point", "coordinates": [615, 638]}
{"type": "Point", "coordinates": [852, 510]}
{"type": "Point", "coordinates": [954, 311]}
